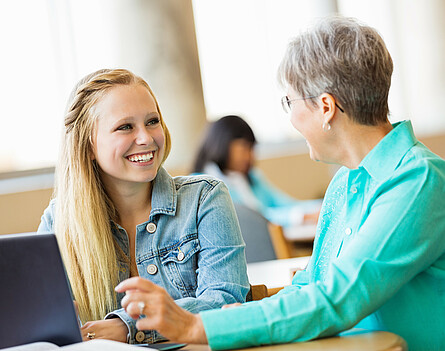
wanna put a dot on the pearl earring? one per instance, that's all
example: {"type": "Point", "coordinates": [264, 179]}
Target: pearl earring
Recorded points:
{"type": "Point", "coordinates": [326, 126]}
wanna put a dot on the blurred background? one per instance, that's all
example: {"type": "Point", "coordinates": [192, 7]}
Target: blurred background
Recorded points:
{"type": "Point", "coordinates": [203, 59]}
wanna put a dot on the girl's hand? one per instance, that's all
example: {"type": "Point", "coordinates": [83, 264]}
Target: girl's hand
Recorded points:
{"type": "Point", "coordinates": [111, 329]}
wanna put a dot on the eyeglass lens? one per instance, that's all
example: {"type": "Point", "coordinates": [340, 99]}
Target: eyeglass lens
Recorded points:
{"type": "Point", "coordinates": [285, 103]}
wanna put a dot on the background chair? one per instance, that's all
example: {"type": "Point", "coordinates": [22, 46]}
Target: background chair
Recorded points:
{"type": "Point", "coordinates": [257, 292]}
{"type": "Point", "coordinates": [282, 247]}
{"type": "Point", "coordinates": [264, 241]}
{"type": "Point", "coordinates": [260, 291]}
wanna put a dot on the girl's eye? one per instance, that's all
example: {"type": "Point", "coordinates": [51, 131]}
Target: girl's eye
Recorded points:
{"type": "Point", "coordinates": [124, 127]}
{"type": "Point", "coordinates": [153, 122]}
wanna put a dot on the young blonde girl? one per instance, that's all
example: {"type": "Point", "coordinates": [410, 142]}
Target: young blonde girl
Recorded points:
{"type": "Point", "coordinates": [117, 213]}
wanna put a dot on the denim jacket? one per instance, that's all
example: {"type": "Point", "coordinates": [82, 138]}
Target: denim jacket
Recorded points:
{"type": "Point", "coordinates": [191, 245]}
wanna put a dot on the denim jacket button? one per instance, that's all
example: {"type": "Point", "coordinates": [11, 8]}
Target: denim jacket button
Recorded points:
{"type": "Point", "coordinates": [152, 269]}
{"type": "Point", "coordinates": [140, 336]}
{"type": "Point", "coordinates": [151, 228]}
{"type": "Point", "coordinates": [180, 256]}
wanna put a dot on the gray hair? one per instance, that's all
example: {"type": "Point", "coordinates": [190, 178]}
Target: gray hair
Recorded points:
{"type": "Point", "coordinates": [346, 59]}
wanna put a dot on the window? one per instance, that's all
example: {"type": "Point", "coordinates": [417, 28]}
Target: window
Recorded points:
{"type": "Point", "coordinates": [47, 46]}
{"type": "Point", "coordinates": [240, 46]}
{"type": "Point", "coordinates": [30, 86]}
{"type": "Point", "coordinates": [241, 43]}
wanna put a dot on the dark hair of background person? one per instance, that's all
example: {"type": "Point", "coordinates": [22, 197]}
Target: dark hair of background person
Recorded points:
{"type": "Point", "coordinates": [216, 141]}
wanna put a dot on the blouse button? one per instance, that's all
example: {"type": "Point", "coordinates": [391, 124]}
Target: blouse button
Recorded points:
{"type": "Point", "coordinates": [348, 231]}
{"type": "Point", "coordinates": [151, 228]}
{"type": "Point", "coordinates": [152, 269]}
{"type": "Point", "coordinates": [354, 190]}
{"type": "Point", "coordinates": [140, 336]}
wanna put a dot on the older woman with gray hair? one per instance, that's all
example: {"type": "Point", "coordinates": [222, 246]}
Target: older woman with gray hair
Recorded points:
{"type": "Point", "coordinates": [379, 255]}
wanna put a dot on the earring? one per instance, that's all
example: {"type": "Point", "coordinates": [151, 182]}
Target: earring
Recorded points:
{"type": "Point", "coordinates": [326, 126]}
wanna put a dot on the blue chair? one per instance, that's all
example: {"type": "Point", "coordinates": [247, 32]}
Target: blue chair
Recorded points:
{"type": "Point", "coordinates": [264, 241]}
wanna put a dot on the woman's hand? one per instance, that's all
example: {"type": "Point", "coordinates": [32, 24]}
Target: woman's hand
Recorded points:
{"type": "Point", "coordinates": [311, 218]}
{"type": "Point", "coordinates": [161, 312]}
{"type": "Point", "coordinates": [111, 329]}
{"type": "Point", "coordinates": [231, 305]}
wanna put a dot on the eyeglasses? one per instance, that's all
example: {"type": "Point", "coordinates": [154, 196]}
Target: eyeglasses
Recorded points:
{"type": "Point", "coordinates": [286, 103]}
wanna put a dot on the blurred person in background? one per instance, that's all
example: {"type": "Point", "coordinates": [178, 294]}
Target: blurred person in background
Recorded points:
{"type": "Point", "coordinates": [227, 153]}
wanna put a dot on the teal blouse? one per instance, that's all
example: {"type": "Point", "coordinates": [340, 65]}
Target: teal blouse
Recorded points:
{"type": "Point", "coordinates": [378, 261]}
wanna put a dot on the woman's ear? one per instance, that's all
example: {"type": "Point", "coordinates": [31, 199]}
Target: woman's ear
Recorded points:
{"type": "Point", "coordinates": [327, 107]}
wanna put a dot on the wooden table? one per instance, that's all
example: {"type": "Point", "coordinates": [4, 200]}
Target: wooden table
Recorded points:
{"type": "Point", "coordinates": [354, 340]}
{"type": "Point", "coordinates": [275, 273]}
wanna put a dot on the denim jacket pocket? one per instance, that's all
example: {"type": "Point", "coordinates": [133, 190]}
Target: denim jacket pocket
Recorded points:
{"type": "Point", "coordinates": [181, 262]}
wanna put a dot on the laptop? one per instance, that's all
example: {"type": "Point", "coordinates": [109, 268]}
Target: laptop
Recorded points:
{"type": "Point", "coordinates": [35, 299]}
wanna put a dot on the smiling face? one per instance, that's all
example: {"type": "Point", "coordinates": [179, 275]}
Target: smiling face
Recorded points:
{"type": "Point", "coordinates": [128, 143]}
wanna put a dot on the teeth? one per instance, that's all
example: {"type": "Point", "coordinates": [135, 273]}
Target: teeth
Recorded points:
{"type": "Point", "coordinates": [141, 158]}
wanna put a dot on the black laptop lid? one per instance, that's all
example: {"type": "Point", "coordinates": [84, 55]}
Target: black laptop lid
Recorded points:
{"type": "Point", "coordinates": [35, 300]}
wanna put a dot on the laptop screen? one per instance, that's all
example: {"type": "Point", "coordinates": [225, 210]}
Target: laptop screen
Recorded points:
{"type": "Point", "coordinates": [35, 300]}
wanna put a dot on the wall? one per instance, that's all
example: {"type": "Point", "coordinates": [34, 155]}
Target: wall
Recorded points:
{"type": "Point", "coordinates": [21, 212]}
{"type": "Point", "coordinates": [297, 175]}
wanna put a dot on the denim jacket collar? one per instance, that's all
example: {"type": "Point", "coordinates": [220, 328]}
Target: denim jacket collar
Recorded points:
{"type": "Point", "coordinates": [164, 196]}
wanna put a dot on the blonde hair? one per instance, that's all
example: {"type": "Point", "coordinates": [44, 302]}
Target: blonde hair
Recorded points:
{"type": "Point", "coordinates": [83, 209]}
